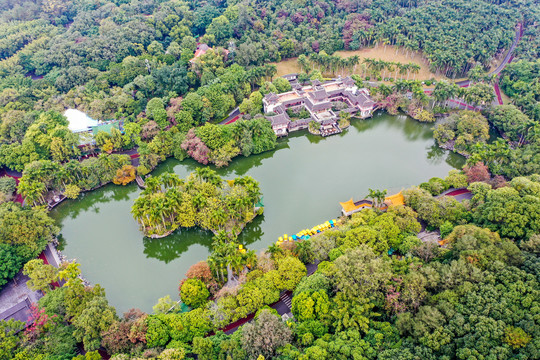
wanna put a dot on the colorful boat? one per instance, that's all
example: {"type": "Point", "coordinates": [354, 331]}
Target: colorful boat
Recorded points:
{"type": "Point", "coordinates": [307, 233]}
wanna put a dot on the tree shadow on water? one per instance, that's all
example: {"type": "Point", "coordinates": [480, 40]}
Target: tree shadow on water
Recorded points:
{"type": "Point", "coordinates": [91, 201]}
{"type": "Point", "coordinates": [455, 160]}
{"type": "Point", "coordinates": [252, 232]}
{"type": "Point", "coordinates": [239, 166]}
{"type": "Point", "coordinates": [435, 155]}
{"type": "Point", "coordinates": [174, 245]}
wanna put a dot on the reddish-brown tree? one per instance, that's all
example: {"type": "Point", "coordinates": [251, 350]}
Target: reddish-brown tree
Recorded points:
{"type": "Point", "coordinates": [477, 172]}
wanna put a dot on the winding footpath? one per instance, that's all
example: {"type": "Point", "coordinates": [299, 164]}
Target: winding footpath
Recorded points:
{"type": "Point", "coordinates": [507, 59]}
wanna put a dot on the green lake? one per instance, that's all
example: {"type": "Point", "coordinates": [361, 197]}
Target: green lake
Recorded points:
{"type": "Point", "coordinates": [302, 182]}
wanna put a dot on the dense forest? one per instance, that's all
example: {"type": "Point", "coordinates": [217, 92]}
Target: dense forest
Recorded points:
{"type": "Point", "coordinates": [368, 288]}
{"type": "Point", "coordinates": [129, 60]}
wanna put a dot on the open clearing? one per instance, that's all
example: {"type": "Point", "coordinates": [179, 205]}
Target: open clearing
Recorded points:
{"type": "Point", "coordinates": [386, 53]}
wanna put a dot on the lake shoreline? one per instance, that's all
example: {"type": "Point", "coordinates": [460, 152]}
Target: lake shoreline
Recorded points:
{"type": "Point", "coordinates": [302, 182]}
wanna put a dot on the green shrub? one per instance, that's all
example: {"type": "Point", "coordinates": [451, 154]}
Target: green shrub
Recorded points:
{"type": "Point", "coordinates": [446, 228]}
{"type": "Point", "coordinates": [8, 185]}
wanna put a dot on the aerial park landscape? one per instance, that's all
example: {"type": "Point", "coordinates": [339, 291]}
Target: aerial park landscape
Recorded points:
{"type": "Point", "coordinates": [269, 180]}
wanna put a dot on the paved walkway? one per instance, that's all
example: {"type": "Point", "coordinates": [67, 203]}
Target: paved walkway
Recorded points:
{"type": "Point", "coordinates": [16, 297]}
{"type": "Point", "coordinates": [233, 116]}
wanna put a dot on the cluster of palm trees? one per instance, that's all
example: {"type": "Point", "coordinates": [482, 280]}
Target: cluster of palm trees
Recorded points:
{"type": "Point", "coordinates": [203, 199]}
{"type": "Point", "coordinates": [454, 35]}
{"type": "Point", "coordinates": [44, 176]}
{"type": "Point", "coordinates": [385, 69]}
{"type": "Point", "coordinates": [479, 95]}
{"type": "Point", "coordinates": [328, 63]}
{"type": "Point", "coordinates": [377, 197]}
{"type": "Point", "coordinates": [374, 67]}
{"type": "Point", "coordinates": [227, 260]}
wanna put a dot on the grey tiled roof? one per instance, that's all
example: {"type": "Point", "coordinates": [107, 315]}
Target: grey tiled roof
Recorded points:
{"type": "Point", "coordinates": [348, 81]}
{"type": "Point", "coordinates": [19, 312]}
{"type": "Point", "coordinates": [271, 97]}
{"type": "Point", "coordinates": [318, 95]}
{"type": "Point", "coordinates": [359, 99]}
{"type": "Point", "coordinates": [328, 122]}
{"type": "Point", "coordinates": [279, 119]}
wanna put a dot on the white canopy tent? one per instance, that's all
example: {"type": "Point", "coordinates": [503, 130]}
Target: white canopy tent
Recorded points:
{"type": "Point", "coordinates": [79, 121]}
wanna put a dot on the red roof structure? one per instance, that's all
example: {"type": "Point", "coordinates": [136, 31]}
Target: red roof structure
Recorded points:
{"type": "Point", "coordinates": [202, 49]}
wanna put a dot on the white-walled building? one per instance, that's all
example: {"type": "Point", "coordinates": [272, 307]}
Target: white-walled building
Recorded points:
{"type": "Point", "coordinates": [318, 99]}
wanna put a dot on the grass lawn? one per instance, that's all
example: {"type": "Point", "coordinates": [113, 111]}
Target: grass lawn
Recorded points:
{"type": "Point", "coordinates": [386, 53]}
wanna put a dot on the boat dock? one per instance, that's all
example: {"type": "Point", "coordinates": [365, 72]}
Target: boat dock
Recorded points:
{"type": "Point", "coordinates": [140, 182]}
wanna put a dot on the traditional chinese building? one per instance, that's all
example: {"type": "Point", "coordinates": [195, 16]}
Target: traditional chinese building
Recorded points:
{"type": "Point", "coordinates": [320, 100]}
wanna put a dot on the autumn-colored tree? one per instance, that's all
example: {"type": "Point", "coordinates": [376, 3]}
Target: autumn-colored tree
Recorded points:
{"type": "Point", "coordinates": [125, 175]}
{"type": "Point", "coordinates": [118, 337]}
{"type": "Point", "coordinates": [202, 271]}
{"type": "Point", "coordinates": [476, 173]}
{"type": "Point", "coordinates": [516, 337]}
{"type": "Point", "coordinates": [38, 322]}
{"type": "Point", "coordinates": [196, 148]}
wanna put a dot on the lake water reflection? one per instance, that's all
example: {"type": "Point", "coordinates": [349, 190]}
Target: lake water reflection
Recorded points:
{"type": "Point", "coordinates": [301, 181]}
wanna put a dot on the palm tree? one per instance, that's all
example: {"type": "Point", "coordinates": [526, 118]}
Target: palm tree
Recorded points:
{"type": "Point", "coordinates": [525, 129]}
{"type": "Point", "coordinates": [170, 180]}
{"type": "Point", "coordinates": [208, 175]}
{"type": "Point", "coordinates": [370, 63]}
{"type": "Point", "coordinates": [303, 249]}
{"type": "Point", "coordinates": [270, 71]}
{"type": "Point", "coordinates": [354, 61]}
{"type": "Point", "coordinates": [199, 200]}
{"type": "Point", "coordinates": [239, 130]}
{"type": "Point", "coordinates": [218, 218]}
{"type": "Point", "coordinates": [303, 61]}
{"type": "Point", "coordinates": [314, 58]}
{"type": "Point", "coordinates": [106, 161]}
{"type": "Point", "coordinates": [153, 184]}
{"type": "Point", "coordinates": [274, 250]}
{"type": "Point", "coordinates": [249, 259]}
{"type": "Point", "coordinates": [216, 265]}
{"type": "Point", "coordinates": [377, 196]}
{"type": "Point", "coordinates": [415, 68]}
{"type": "Point", "coordinates": [389, 67]}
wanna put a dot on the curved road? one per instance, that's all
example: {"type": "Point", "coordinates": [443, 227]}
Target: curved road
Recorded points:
{"type": "Point", "coordinates": [508, 58]}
